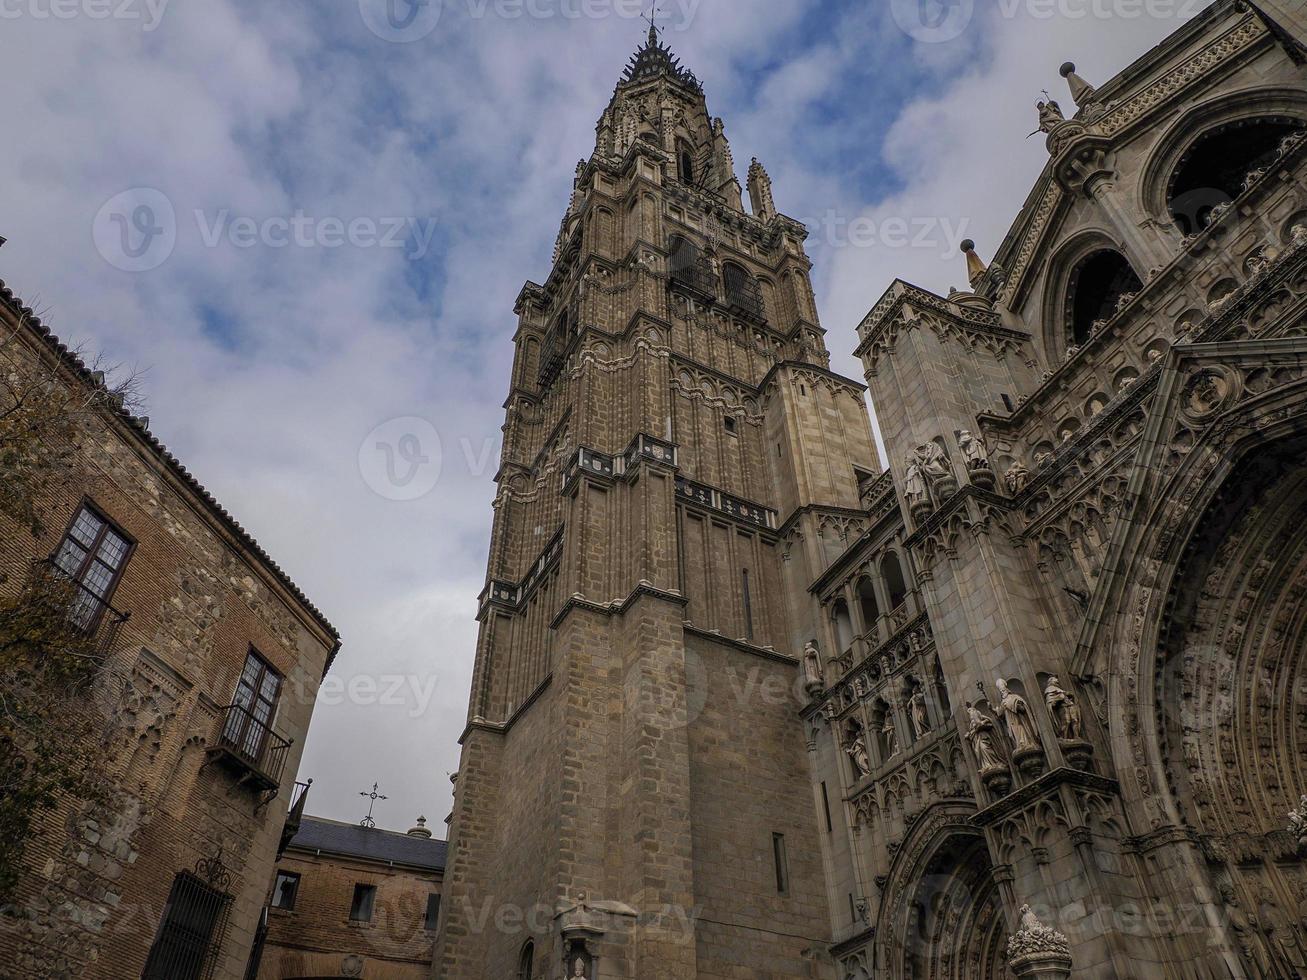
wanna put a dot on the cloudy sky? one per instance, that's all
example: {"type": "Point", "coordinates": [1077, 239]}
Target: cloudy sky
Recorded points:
{"type": "Point", "coordinates": [308, 219]}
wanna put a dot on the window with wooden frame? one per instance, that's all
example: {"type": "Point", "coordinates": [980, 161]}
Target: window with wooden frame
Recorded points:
{"type": "Point", "coordinates": [253, 708]}
{"type": "Point", "coordinates": [93, 553]}
{"type": "Point", "coordinates": [285, 891]}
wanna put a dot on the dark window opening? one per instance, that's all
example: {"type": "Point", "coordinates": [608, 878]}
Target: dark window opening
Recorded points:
{"type": "Point", "coordinates": [191, 933]}
{"type": "Point", "coordinates": [782, 863]}
{"type": "Point", "coordinates": [685, 162]}
{"type": "Point", "coordinates": [526, 962]}
{"type": "Point", "coordinates": [731, 425]}
{"type": "Point", "coordinates": [1095, 291]}
{"type": "Point", "coordinates": [93, 553]}
{"type": "Point", "coordinates": [743, 293]}
{"type": "Point", "coordinates": [433, 913]}
{"type": "Point", "coordinates": [867, 604]}
{"type": "Point", "coordinates": [894, 580]}
{"type": "Point", "coordinates": [689, 268]}
{"type": "Point", "coordinates": [1215, 168]}
{"type": "Point", "coordinates": [285, 891]}
{"type": "Point", "coordinates": [825, 806]}
{"type": "Point", "coordinates": [361, 907]}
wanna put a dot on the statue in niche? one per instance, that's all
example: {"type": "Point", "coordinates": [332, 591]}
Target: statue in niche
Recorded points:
{"type": "Point", "coordinates": [1015, 714]}
{"type": "Point", "coordinates": [917, 712]}
{"type": "Point", "coordinates": [890, 734]}
{"type": "Point", "coordinates": [973, 451]}
{"type": "Point", "coordinates": [1276, 930]}
{"type": "Point", "coordinates": [914, 486]}
{"type": "Point", "coordinates": [1067, 718]}
{"type": "Point", "coordinates": [812, 675]}
{"type": "Point", "coordinates": [933, 462]}
{"type": "Point", "coordinates": [1017, 478]}
{"type": "Point", "coordinates": [1050, 116]}
{"type": "Point", "coordinates": [981, 736]}
{"type": "Point", "coordinates": [857, 751]}
{"type": "Point", "coordinates": [578, 969]}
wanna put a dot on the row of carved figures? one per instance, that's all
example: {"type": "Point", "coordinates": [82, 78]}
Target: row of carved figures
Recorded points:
{"type": "Point", "coordinates": [1020, 733]}
{"type": "Point", "coordinates": [929, 479]}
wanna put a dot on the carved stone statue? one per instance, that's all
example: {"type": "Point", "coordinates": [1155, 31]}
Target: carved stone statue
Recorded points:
{"type": "Point", "coordinates": [1067, 718]}
{"type": "Point", "coordinates": [1298, 822]}
{"type": "Point", "coordinates": [1017, 478]}
{"type": "Point", "coordinates": [914, 486]}
{"type": "Point", "coordinates": [980, 735]}
{"type": "Point", "coordinates": [917, 712]}
{"type": "Point", "coordinates": [857, 751]}
{"type": "Point", "coordinates": [973, 451]}
{"type": "Point", "coordinates": [890, 734]}
{"type": "Point", "coordinates": [1050, 116]}
{"type": "Point", "coordinates": [578, 969]}
{"type": "Point", "coordinates": [1015, 714]}
{"type": "Point", "coordinates": [933, 462]}
{"type": "Point", "coordinates": [812, 675]}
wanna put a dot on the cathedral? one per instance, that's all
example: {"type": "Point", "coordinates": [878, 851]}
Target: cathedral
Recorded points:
{"type": "Point", "coordinates": [1029, 703]}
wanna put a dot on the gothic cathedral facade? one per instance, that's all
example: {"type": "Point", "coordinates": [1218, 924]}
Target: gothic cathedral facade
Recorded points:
{"type": "Point", "coordinates": [1030, 703]}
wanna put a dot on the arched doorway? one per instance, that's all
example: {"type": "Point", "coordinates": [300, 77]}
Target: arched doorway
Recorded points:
{"type": "Point", "coordinates": [1232, 698]}
{"type": "Point", "coordinates": [950, 923]}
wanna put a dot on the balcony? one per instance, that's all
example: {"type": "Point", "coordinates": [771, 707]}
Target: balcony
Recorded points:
{"type": "Point", "coordinates": [88, 614]}
{"type": "Point", "coordinates": [693, 273]}
{"type": "Point", "coordinates": [247, 745]}
{"type": "Point", "coordinates": [744, 298]}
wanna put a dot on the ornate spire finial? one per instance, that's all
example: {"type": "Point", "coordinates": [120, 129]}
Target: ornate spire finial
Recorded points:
{"type": "Point", "coordinates": [653, 24]}
{"type": "Point", "coordinates": [1081, 90]}
{"type": "Point", "coordinates": [975, 267]}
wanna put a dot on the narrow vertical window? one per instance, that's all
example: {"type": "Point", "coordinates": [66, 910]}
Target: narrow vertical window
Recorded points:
{"type": "Point", "coordinates": [365, 898]}
{"type": "Point", "coordinates": [825, 805]}
{"type": "Point", "coordinates": [433, 913]}
{"type": "Point", "coordinates": [748, 605]}
{"type": "Point", "coordinates": [782, 863]}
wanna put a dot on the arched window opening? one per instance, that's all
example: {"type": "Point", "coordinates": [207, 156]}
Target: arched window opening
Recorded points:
{"type": "Point", "coordinates": [688, 267]}
{"type": "Point", "coordinates": [743, 294]}
{"type": "Point", "coordinates": [867, 603]}
{"type": "Point", "coordinates": [685, 162]}
{"type": "Point", "coordinates": [892, 570]}
{"type": "Point", "coordinates": [843, 624]}
{"type": "Point", "coordinates": [1095, 290]}
{"type": "Point", "coordinates": [1216, 167]}
{"type": "Point", "coordinates": [553, 354]}
{"type": "Point", "coordinates": [526, 963]}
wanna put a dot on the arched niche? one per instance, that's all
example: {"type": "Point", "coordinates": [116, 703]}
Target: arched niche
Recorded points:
{"type": "Point", "coordinates": [843, 624]}
{"type": "Point", "coordinates": [867, 604]}
{"type": "Point", "coordinates": [896, 585]}
{"type": "Point", "coordinates": [1205, 154]}
{"type": "Point", "coordinates": [1088, 274]}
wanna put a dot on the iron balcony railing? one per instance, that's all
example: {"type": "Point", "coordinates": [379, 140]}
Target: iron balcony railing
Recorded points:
{"type": "Point", "coordinates": [691, 271]}
{"type": "Point", "coordinates": [744, 296]}
{"type": "Point", "coordinates": [88, 613]}
{"type": "Point", "coordinates": [247, 742]}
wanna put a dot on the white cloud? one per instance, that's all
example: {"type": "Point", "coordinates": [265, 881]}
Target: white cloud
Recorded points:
{"type": "Point", "coordinates": [269, 366]}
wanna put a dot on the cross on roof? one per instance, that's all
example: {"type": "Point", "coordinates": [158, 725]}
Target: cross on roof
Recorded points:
{"type": "Point", "coordinates": [653, 25]}
{"type": "Point", "coordinates": [373, 796]}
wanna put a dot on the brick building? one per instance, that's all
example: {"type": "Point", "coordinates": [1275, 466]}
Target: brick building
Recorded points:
{"type": "Point", "coordinates": [1032, 702]}
{"type": "Point", "coordinates": [211, 663]}
{"type": "Point", "coordinates": [354, 901]}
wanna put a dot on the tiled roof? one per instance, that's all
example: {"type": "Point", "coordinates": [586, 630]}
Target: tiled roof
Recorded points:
{"type": "Point", "coordinates": [78, 367]}
{"type": "Point", "coordinates": [384, 846]}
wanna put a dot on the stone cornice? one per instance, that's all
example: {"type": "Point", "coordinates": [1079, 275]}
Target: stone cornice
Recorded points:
{"type": "Point", "coordinates": [827, 373]}
{"type": "Point", "coordinates": [502, 728]}
{"type": "Point", "coordinates": [766, 653]}
{"type": "Point", "coordinates": [1021, 798]}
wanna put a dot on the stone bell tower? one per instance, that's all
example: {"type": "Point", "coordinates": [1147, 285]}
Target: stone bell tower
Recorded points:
{"type": "Point", "coordinates": [679, 463]}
